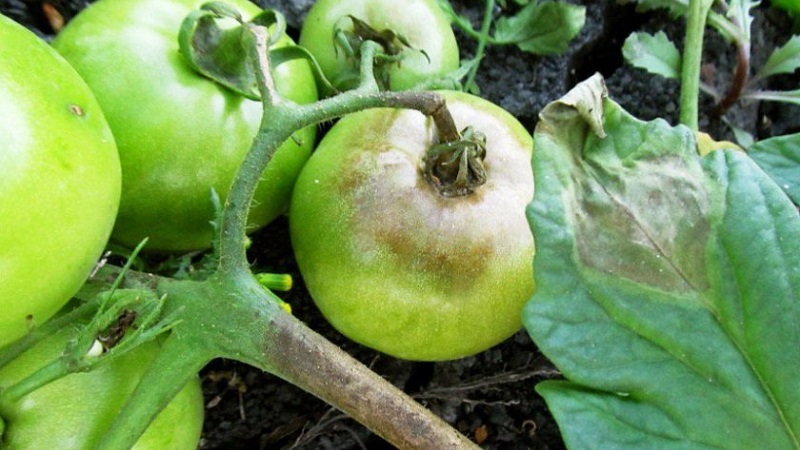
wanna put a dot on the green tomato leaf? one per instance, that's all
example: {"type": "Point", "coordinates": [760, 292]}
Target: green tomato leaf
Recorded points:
{"type": "Point", "coordinates": [544, 28]}
{"type": "Point", "coordinates": [786, 59]}
{"type": "Point", "coordinates": [460, 21]}
{"type": "Point", "coordinates": [667, 287]}
{"type": "Point", "coordinates": [653, 53]}
{"type": "Point", "coordinates": [780, 158]}
{"type": "Point", "coordinates": [792, 97]}
{"type": "Point", "coordinates": [742, 137]}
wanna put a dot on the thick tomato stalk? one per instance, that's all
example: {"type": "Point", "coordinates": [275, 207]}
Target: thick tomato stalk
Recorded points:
{"type": "Point", "coordinates": [396, 265]}
{"type": "Point", "coordinates": [180, 134]}
{"type": "Point", "coordinates": [59, 181]}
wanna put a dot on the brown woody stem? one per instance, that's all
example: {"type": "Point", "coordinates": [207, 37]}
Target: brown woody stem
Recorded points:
{"type": "Point", "coordinates": [740, 77]}
{"type": "Point", "coordinates": [313, 363]}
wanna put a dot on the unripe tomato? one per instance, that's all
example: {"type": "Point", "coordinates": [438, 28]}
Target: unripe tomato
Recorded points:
{"type": "Point", "coordinates": [59, 181]}
{"type": "Point", "coordinates": [432, 50]}
{"type": "Point", "coordinates": [73, 412]}
{"type": "Point", "coordinates": [180, 135]}
{"type": "Point", "coordinates": [395, 265]}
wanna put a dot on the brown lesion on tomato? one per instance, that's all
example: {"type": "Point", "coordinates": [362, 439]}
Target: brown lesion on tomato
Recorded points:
{"type": "Point", "coordinates": [399, 214]}
{"type": "Point", "coordinates": [76, 110]}
{"type": "Point", "coordinates": [359, 166]}
{"type": "Point", "coordinates": [459, 269]}
{"type": "Point", "coordinates": [455, 264]}
{"type": "Point", "coordinates": [352, 180]}
{"type": "Point", "coordinates": [112, 335]}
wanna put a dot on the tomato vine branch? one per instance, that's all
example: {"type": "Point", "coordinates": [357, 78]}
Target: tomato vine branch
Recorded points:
{"type": "Point", "coordinates": [740, 77]}
{"type": "Point", "coordinates": [483, 40]}
{"type": "Point", "coordinates": [279, 121]}
{"type": "Point", "coordinates": [230, 315]}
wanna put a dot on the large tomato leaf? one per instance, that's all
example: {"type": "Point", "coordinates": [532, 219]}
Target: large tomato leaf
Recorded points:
{"type": "Point", "coordinates": [780, 158]}
{"type": "Point", "coordinates": [667, 285]}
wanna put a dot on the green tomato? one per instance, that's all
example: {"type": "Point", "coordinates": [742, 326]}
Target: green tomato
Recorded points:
{"type": "Point", "coordinates": [433, 50]}
{"type": "Point", "coordinates": [392, 263]}
{"type": "Point", "coordinates": [179, 134]}
{"type": "Point", "coordinates": [75, 411]}
{"type": "Point", "coordinates": [59, 181]}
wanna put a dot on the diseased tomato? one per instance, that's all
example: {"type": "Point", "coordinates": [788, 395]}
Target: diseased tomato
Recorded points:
{"type": "Point", "coordinates": [180, 135]}
{"type": "Point", "coordinates": [417, 29]}
{"type": "Point", "coordinates": [394, 264]}
{"type": "Point", "coordinates": [59, 181]}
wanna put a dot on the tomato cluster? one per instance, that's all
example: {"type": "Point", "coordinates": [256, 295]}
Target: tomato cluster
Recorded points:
{"type": "Point", "coordinates": [110, 136]}
{"type": "Point", "coordinates": [59, 194]}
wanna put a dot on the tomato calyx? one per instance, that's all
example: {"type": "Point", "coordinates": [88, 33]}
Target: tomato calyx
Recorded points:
{"type": "Point", "coordinates": [211, 40]}
{"type": "Point", "coordinates": [214, 41]}
{"type": "Point", "coordinates": [114, 333]}
{"type": "Point", "coordinates": [455, 167]}
{"type": "Point", "coordinates": [393, 44]}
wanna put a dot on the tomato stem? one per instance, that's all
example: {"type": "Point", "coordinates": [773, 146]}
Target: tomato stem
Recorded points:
{"type": "Point", "coordinates": [692, 56]}
{"type": "Point", "coordinates": [36, 335]}
{"type": "Point", "coordinates": [358, 391]}
{"type": "Point", "coordinates": [50, 372]}
{"type": "Point", "coordinates": [282, 118]}
{"type": "Point", "coordinates": [455, 166]}
{"type": "Point", "coordinates": [740, 77]}
{"type": "Point", "coordinates": [368, 82]}
{"type": "Point", "coordinates": [260, 45]}
{"type": "Point", "coordinates": [483, 39]}
{"type": "Point", "coordinates": [176, 363]}
{"type": "Point", "coordinates": [230, 315]}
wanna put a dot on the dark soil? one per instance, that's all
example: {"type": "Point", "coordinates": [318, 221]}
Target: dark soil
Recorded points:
{"type": "Point", "coordinates": [489, 397]}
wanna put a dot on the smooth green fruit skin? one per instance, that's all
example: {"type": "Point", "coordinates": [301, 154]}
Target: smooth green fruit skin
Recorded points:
{"type": "Point", "coordinates": [394, 265]}
{"type": "Point", "coordinates": [74, 412]}
{"type": "Point", "coordinates": [180, 135]}
{"type": "Point", "coordinates": [421, 22]}
{"type": "Point", "coordinates": [59, 181]}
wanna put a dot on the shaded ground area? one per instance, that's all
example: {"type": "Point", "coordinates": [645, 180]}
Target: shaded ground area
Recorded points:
{"type": "Point", "coordinates": [490, 396]}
